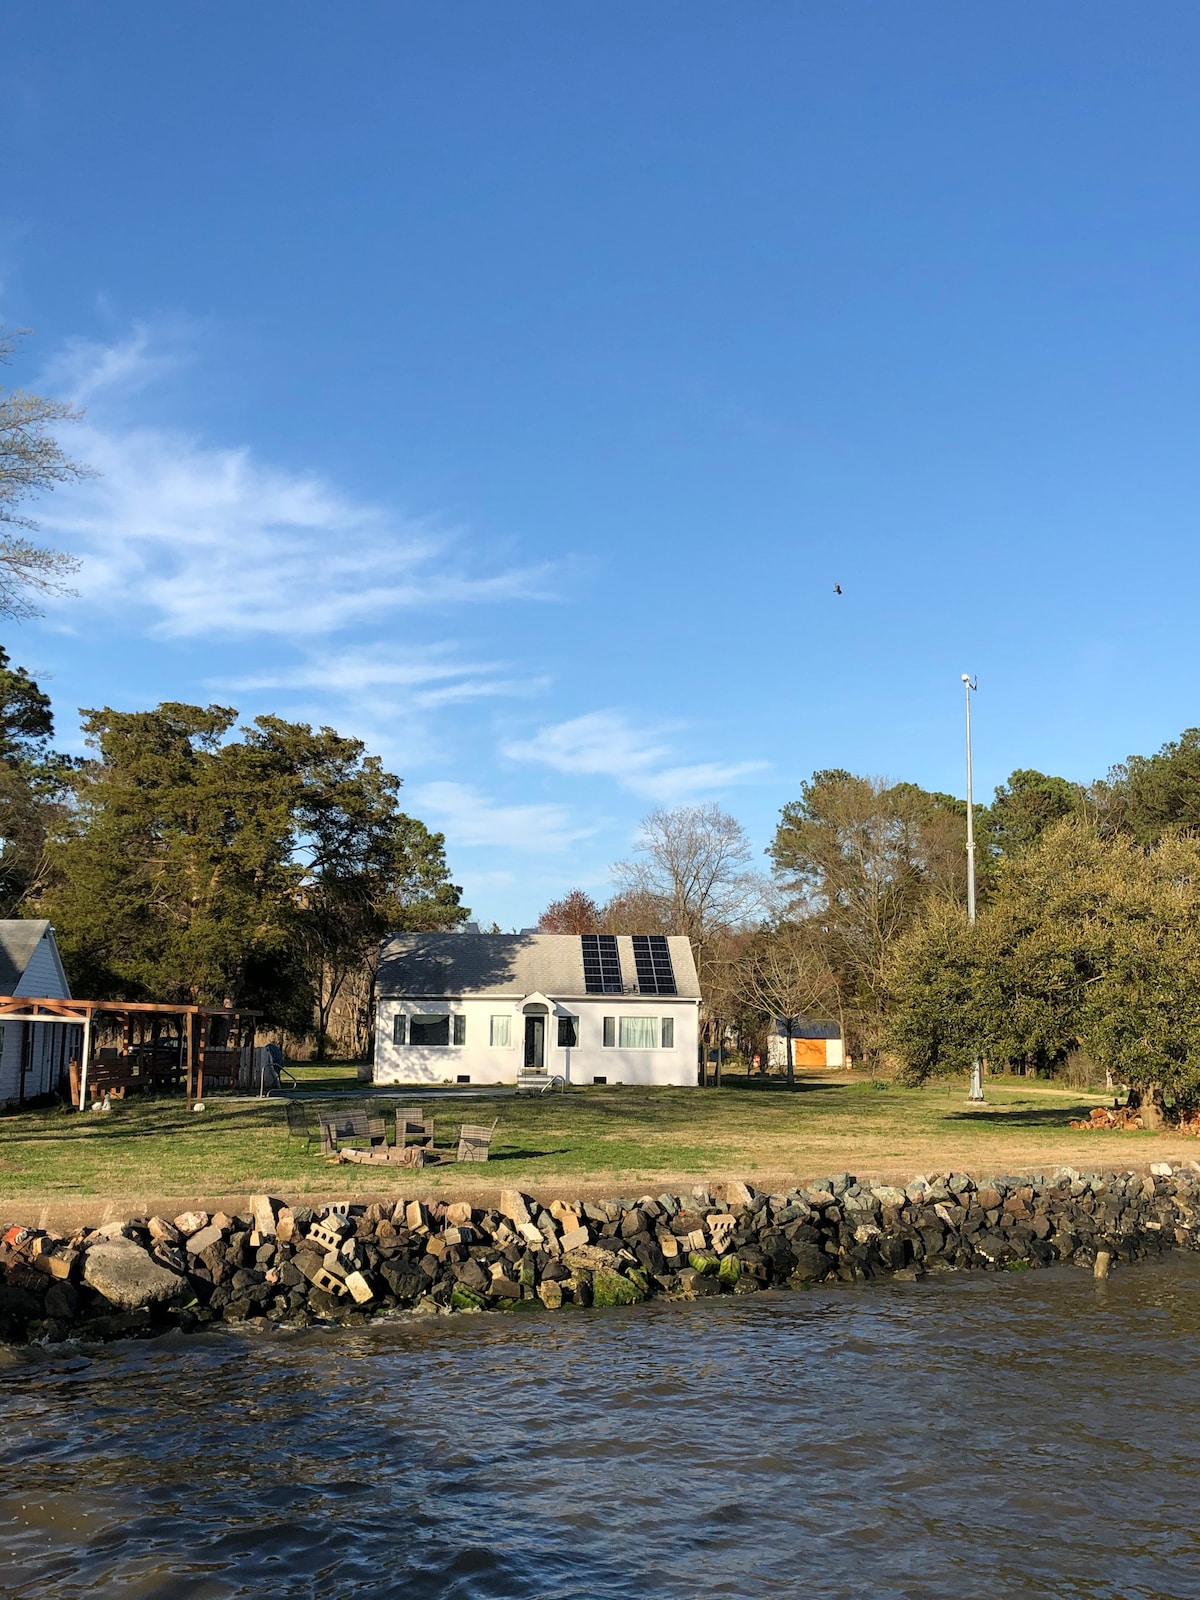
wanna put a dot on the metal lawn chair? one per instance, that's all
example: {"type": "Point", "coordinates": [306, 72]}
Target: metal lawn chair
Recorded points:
{"type": "Point", "coordinates": [300, 1123]}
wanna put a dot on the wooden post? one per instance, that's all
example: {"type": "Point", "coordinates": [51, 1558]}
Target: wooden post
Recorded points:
{"type": "Point", "coordinates": [186, 1028]}
{"type": "Point", "coordinates": [201, 1030]}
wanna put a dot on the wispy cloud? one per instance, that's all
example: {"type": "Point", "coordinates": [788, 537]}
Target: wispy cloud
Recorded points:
{"type": "Point", "coordinates": [82, 369]}
{"type": "Point", "coordinates": [642, 760]}
{"type": "Point", "coordinates": [473, 818]}
{"type": "Point", "coordinates": [428, 677]}
{"type": "Point", "coordinates": [210, 541]}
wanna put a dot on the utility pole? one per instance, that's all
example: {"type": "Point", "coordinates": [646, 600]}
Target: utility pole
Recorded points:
{"type": "Point", "coordinates": [969, 686]}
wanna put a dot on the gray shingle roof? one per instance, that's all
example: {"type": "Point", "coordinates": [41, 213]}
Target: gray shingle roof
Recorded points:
{"type": "Point", "coordinates": [19, 938]}
{"type": "Point", "coordinates": [511, 964]}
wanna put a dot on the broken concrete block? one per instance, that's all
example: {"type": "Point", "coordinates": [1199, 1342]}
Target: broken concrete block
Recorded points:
{"type": "Point", "coordinates": [327, 1233]}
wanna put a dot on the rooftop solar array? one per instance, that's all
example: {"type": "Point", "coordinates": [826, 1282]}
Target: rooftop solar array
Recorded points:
{"type": "Point", "coordinates": [601, 963]}
{"type": "Point", "coordinates": [652, 955]}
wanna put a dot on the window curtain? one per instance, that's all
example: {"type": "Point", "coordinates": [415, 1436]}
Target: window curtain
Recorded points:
{"type": "Point", "coordinates": [429, 1029]}
{"type": "Point", "coordinates": [501, 1032]}
{"type": "Point", "coordinates": [638, 1033]}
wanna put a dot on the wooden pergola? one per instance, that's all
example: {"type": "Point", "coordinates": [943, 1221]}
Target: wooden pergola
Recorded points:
{"type": "Point", "coordinates": [160, 1045]}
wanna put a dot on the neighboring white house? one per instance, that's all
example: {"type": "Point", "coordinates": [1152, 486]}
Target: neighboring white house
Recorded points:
{"type": "Point", "coordinates": [33, 1055]}
{"type": "Point", "coordinates": [481, 1007]}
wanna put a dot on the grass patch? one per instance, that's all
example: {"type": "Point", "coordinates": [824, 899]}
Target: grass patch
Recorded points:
{"type": "Point", "coordinates": [624, 1140]}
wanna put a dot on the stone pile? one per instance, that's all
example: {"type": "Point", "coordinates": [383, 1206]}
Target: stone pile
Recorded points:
{"type": "Point", "coordinates": [1104, 1119]}
{"type": "Point", "coordinates": [291, 1264]}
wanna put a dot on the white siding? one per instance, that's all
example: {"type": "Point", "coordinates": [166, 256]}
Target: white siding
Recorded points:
{"type": "Point", "coordinates": [47, 1057]}
{"type": "Point", "coordinates": [44, 977]}
{"type": "Point", "coordinates": [10, 1060]}
{"type": "Point", "coordinates": [45, 1066]}
{"type": "Point", "coordinates": [483, 1063]}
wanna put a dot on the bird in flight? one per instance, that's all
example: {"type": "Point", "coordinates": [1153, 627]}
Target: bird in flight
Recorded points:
{"type": "Point", "coordinates": [837, 588]}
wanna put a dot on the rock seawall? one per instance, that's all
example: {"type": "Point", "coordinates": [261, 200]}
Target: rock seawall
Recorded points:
{"type": "Point", "coordinates": [290, 1264]}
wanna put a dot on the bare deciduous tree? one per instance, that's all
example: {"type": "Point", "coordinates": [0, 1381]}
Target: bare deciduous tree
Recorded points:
{"type": "Point", "coordinates": [692, 862]}
{"type": "Point", "coordinates": [784, 973]}
{"type": "Point", "coordinates": [31, 462]}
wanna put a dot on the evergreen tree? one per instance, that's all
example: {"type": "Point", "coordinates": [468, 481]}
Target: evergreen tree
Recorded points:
{"type": "Point", "coordinates": [256, 870]}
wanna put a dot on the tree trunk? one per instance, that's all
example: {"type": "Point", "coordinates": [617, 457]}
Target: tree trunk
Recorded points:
{"type": "Point", "coordinates": [1148, 1103]}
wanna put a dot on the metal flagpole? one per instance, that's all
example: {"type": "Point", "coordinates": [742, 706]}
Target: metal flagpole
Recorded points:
{"type": "Point", "coordinates": [969, 686]}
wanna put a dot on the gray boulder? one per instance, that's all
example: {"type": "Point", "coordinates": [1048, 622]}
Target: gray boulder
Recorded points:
{"type": "Point", "coordinates": [127, 1276]}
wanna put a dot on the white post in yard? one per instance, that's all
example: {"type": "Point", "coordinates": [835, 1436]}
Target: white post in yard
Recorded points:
{"type": "Point", "coordinates": [969, 684]}
{"type": "Point", "coordinates": [84, 1053]}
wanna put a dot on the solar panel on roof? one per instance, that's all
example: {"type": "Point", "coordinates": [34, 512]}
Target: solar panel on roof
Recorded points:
{"type": "Point", "coordinates": [601, 963]}
{"type": "Point", "coordinates": [652, 956]}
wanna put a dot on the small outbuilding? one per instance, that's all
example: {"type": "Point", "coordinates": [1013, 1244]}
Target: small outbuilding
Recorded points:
{"type": "Point", "coordinates": [33, 1058]}
{"type": "Point", "coordinates": [590, 1008]}
{"type": "Point", "coordinates": [814, 1044]}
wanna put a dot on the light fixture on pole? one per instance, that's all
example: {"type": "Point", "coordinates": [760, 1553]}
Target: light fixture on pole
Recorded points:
{"type": "Point", "coordinates": [969, 686]}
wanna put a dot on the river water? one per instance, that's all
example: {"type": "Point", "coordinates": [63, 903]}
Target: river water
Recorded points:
{"type": "Point", "coordinates": [999, 1436]}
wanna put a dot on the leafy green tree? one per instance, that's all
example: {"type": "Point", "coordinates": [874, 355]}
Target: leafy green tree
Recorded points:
{"type": "Point", "coordinates": [1090, 940]}
{"type": "Point", "coordinates": [34, 782]}
{"type": "Point", "coordinates": [1149, 796]}
{"type": "Point", "coordinates": [855, 860]}
{"type": "Point", "coordinates": [367, 869]}
{"type": "Point", "coordinates": [1025, 806]}
{"type": "Point", "coordinates": [207, 868]}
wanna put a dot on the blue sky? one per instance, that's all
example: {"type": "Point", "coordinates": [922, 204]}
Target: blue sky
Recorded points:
{"type": "Point", "coordinates": [509, 385]}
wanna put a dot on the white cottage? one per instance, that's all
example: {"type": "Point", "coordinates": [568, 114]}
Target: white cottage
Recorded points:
{"type": "Point", "coordinates": [33, 1055]}
{"type": "Point", "coordinates": [483, 1007]}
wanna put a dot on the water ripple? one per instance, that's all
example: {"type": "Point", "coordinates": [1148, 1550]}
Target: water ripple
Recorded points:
{"type": "Point", "coordinates": [1014, 1436]}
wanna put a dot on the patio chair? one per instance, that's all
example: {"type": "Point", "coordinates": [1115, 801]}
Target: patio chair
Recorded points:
{"type": "Point", "coordinates": [350, 1125]}
{"type": "Point", "coordinates": [474, 1140]}
{"type": "Point", "coordinates": [413, 1128]}
{"type": "Point", "coordinates": [300, 1122]}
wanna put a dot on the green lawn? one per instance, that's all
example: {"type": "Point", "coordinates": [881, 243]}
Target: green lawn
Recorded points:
{"type": "Point", "coordinates": [619, 1140]}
